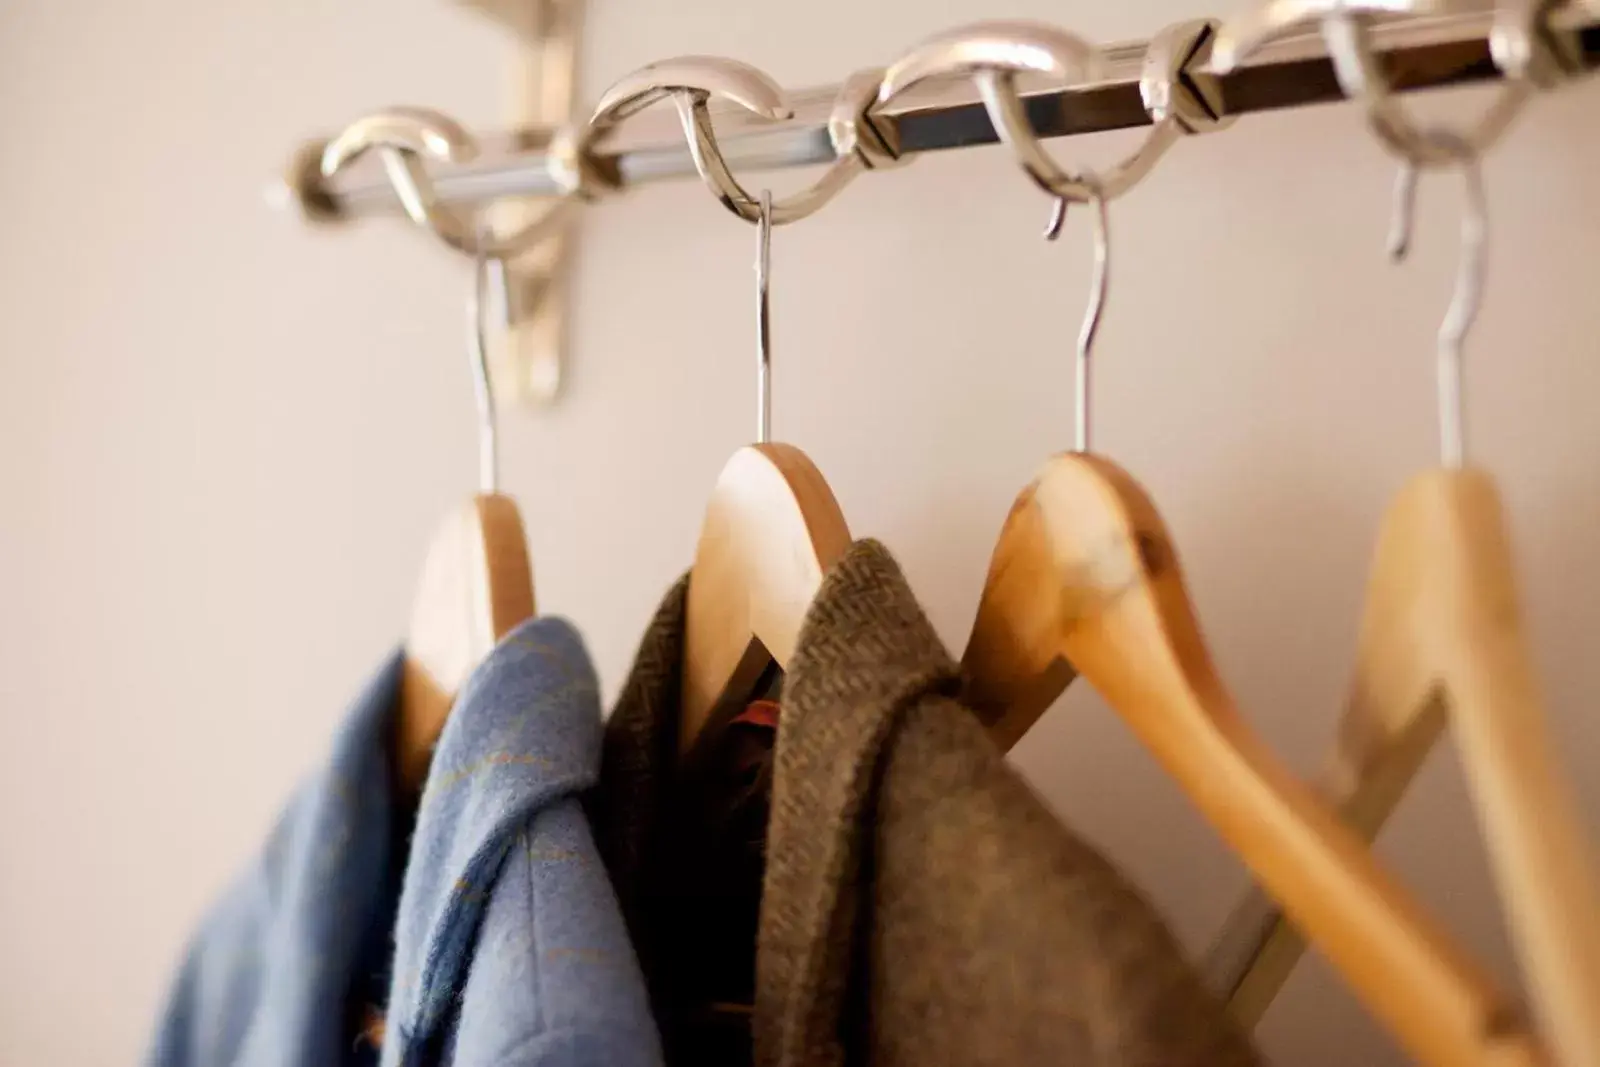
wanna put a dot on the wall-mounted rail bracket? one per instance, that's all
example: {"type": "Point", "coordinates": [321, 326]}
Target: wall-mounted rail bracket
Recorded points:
{"type": "Point", "coordinates": [526, 355]}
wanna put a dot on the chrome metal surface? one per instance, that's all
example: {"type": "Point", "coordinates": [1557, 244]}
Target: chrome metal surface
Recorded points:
{"type": "Point", "coordinates": [993, 54]}
{"type": "Point", "coordinates": [690, 82]}
{"type": "Point", "coordinates": [764, 223]}
{"type": "Point", "coordinates": [1174, 110]}
{"type": "Point", "coordinates": [851, 129]}
{"type": "Point", "coordinates": [1419, 51]}
{"type": "Point", "coordinates": [526, 353]}
{"type": "Point", "coordinates": [1099, 284]}
{"type": "Point", "coordinates": [402, 138]}
{"type": "Point", "coordinates": [1523, 44]}
{"type": "Point", "coordinates": [1467, 298]}
{"type": "Point", "coordinates": [482, 386]}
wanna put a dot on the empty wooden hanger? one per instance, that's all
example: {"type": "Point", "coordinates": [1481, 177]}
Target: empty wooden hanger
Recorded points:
{"type": "Point", "coordinates": [1085, 579]}
{"type": "Point", "coordinates": [1442, 641]}
{"type": "Point", "coordinates": [476, 583]}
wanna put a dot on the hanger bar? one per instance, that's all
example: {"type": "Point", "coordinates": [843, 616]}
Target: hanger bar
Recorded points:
{"type": "Point", "coordinates": [1421, 52]}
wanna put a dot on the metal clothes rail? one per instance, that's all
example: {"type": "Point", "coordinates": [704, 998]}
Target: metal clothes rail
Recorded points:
{"type": "Point", "coordinates": [1418, 52]}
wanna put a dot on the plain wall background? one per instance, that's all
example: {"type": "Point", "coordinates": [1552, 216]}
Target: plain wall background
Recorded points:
{"type": "Point", "coordinates": [225, 438]}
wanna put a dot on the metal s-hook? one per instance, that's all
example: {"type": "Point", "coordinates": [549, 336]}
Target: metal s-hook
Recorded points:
{"type": "Point", "coordinates": [405, 136]}
{"type": "Point", "coordinates": [1525, 47]}
{"type": "Point", "coordinates": [692, 82]}
{"type": "Point", "coordinates": [1529, 55]}
{"type": "Point", "coordinates": [1178, 101]}
{"type": "Point", "coordinates": [763, 318]}
{"type": "Point", "coordinates": [993, 53]}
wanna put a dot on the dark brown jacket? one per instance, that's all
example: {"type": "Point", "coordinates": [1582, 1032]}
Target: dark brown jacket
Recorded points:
{"type": "Point", "coordinates": [921, 906]}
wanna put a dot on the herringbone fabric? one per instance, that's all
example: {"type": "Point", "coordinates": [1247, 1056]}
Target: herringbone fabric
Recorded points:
{"type": "Point", "coordinates": [921, 907]}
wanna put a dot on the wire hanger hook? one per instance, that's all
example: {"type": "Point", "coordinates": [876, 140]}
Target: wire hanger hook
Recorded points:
{"type": "Point", "coordinates": [403, 138]}
{"type": "Point", "coordinates": [1178, 101]}
{"type": "Point", "coordinates": [483, 268]}
{"type": "Point", "coordinates": [1525, 47]}
{"type": "Point", "coordinates": [691, 83]}
{"type": "Point", "coordinates": [1099, 286]}
{"type": "Point", "coordinates": [763, 318]}
{"type": "Point", "coordinates": [1467, 298]}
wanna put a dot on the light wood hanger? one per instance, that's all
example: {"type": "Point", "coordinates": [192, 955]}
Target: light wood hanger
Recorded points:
{"type": "Point", "coordinates": [1442, 642]}
{"type": "Point", "coordinates": [772, 527]}
{"type": "Point", "coordinates": [1085, 579]}
{"type": "Point", "coordinates": [476, 586]}
{"type": "Point", "coordinates": [476, 582]}
{"type": "Point", "coordinates": [772, 530]}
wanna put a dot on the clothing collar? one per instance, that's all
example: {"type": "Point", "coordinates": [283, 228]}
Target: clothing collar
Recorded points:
{"type": "Point", "coordinates": [865, 654]}
{"type": "Point", "coordinates": [524, 733]}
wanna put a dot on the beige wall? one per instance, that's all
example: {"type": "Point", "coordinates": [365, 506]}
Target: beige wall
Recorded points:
{"type": "Point", "coordinates": [224, 439]}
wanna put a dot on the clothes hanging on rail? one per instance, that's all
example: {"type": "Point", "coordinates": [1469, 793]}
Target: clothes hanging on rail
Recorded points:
{"type": "Point", "coordinates": [920, 905]}
{"type": "Point", "coordinates": [508, 949]}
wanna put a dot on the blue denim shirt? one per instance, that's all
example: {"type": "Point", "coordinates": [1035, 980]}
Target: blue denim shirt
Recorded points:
{"type": "Point", "coordinates": [509, 948]}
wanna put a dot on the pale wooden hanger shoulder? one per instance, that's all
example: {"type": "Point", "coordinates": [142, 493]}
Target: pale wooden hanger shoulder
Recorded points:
{"type": "Point", "coordinates": [476, 586]}
{"type": "Point", "coordinates": [1085, 578]}
{"type": "Point", "coordinates": [772, 530]}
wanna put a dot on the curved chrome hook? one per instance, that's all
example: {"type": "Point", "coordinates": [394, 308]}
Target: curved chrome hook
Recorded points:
{"type": "Point", "coordinates": [403, 137]}
{"type": "Point", "coordinates": [690, 82]}
{"type": "Point", "coordinates": [1524, 47]}
{"type": "Point", "coordinates": [993, 53]}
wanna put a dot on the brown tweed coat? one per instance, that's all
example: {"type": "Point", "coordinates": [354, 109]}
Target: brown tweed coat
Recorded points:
{"type": "Point", "coordinates": [921, 906]}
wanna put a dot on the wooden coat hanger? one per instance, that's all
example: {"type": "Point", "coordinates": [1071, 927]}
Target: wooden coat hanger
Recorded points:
{"type": "Point", "coordinates": [1442, 643]}
{"type": "Point", "coordinates": [476, 586]}
{"type": "Point", "coordinates": [476, 583]}
{"type": "Point", "coordinates": [1085, 580]}
{"type": "Point", "coordinates": [772, 529]}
